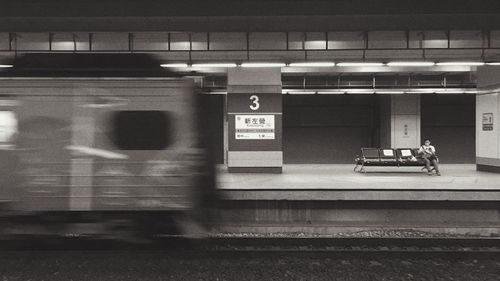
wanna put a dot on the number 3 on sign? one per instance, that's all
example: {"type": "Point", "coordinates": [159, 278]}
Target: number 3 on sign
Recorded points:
{"type": "Point", "coordinates": [255, 102]}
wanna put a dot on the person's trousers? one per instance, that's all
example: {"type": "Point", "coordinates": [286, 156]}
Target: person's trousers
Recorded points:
{"type": "Point", "coordinates": [434, 162]}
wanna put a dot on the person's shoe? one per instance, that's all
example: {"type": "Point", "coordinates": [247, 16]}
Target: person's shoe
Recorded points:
{"type": "Point", "coordinates": [438, 173]}
{"type": "Point", "coordinates": [429, 173]}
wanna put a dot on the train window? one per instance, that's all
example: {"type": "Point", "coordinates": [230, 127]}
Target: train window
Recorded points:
{"type": "Point", "coordinates": [8, 126]}
{"type": "Point", "coordinates": [142, 130]}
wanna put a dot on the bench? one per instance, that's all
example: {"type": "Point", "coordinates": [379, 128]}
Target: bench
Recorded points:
{"type": "Point", "coordinates": [388, 157]}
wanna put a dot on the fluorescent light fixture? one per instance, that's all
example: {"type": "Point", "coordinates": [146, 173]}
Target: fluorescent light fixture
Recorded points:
{"type": "Point", "coordinates": [214, 65]}
{"type": "Point", "coordinates": [174, 65]}
{"type": "Point", "coordinates": [359, 91]}
{"type": "Point", "coordinates": [411, 63]}
{"type": "Point", "coordinates": [449, 91]}
{"type": "Point", "coordinates": [456, 91]}
{"type": "Point", "coordinates": [421, 91]}
{"type": "Point", "coordinates": [263, 64]}
{"type": "Point", "coordinates": [312, 64]}
{"type": "Point", "coordinates": [389, 92]}
{"type": "Point", "coordinates": [299, 92]}
{"type": "Point", "coordinates": [360, 64]}
{"type": "Point", "coordinates": [493, 63]}
{"type": "Point", "coordinates": [332, 92]}
{"type": "Point", "coordinates": [482, 92]}
{"type": "Point", "coordinates": [6, 65]}
{"type": "Point", "coordinates": [462, 63]}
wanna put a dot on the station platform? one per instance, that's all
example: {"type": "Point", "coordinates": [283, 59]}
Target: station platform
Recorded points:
{"type": "Point", "coordinates": [340, 182]}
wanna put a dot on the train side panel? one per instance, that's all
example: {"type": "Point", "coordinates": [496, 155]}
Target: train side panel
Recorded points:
{"type": "Point", "coordinates": [104, 144]}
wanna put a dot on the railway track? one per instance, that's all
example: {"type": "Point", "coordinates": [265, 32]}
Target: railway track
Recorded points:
{"type": "Point", "coordinates": [463, 246]}
{"type": "Point", "coordinates": [363, 245]}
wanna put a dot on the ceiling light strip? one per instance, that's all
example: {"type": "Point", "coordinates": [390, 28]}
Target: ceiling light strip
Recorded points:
{"type": "Point", "coordinates": [381, 91]}
{"type": "Point", "coordinates": [460, 63]}
{"type": "Point", "coordinates": [342, 64]}
{"type": "Point", "coordinates": [174, 65]}
{"type": "Point", "coordinates": [225, 65]}
{"type": "Point", "coordinates": [263, 64]}
{"type": "Point", "coordinates": [312, 64]}
{"type": "Point", "coordinates": [411, 63]}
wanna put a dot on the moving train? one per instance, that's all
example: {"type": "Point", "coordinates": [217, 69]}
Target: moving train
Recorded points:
{"type": "Point", "coordinates": [113, 140]}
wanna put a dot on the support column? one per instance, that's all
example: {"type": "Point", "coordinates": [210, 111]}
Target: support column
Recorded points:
{"type": "Point", "coordinates": [254, 116]}
{"type": "Point", "coordinates": [405, 121]}
{"type": "Point", "coordinates": [487, 122]}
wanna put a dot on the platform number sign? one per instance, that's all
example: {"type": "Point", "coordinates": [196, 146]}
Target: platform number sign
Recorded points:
{"type": "Point", "coordinates": [487, 121]}
{"type": "Point", "coordinates": [255, 102]}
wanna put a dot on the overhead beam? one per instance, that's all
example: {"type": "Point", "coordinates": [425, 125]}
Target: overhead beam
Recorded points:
{"type": "Point", "coordinates": [63, 23]}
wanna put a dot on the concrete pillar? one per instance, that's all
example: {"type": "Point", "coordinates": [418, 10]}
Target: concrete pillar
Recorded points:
{"type": "Point", "coordinates": [487, 122]}
{"type": "Point", "coordinates": [405, 121]}
{"type": "Point", "coordinates": [254, 120]}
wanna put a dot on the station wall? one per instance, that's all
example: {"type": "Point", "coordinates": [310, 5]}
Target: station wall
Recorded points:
{"type": "Point", "coordinates": [327, 128]}
{"type": "Point", "coordinates": [213, 106]}
{"type": "Point", "coordinates": [331, 129]}
{"type": "Point", "coordinates": [449, 121]}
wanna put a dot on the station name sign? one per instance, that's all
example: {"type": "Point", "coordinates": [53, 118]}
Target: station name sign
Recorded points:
{"type": "Point", "coordinates": [254, 127]}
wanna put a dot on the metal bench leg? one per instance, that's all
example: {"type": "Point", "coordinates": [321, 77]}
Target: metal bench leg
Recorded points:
{"type": "Point", "coordinates": [362, 170]}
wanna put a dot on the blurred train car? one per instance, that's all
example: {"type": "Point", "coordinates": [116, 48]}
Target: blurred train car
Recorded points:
{"type": "Point", "coordinates": [112, 139]}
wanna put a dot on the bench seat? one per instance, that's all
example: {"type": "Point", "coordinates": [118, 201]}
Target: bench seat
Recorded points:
{"type": "Point", "coordinates": [388, 157]}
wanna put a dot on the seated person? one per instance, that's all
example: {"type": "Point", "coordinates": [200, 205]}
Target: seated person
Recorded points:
{"type": "Point", "coordinates": [428, 152]}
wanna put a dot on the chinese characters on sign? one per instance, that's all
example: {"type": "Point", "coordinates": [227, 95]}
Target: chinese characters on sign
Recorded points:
{"type": "Point", "coordinates": [487, 121]}
{"type": "Point", "coordinates": [254, 127]}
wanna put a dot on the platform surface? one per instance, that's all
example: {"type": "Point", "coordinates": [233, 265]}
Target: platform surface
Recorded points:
{"type": "Point", "coordinates": [341, 177]}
